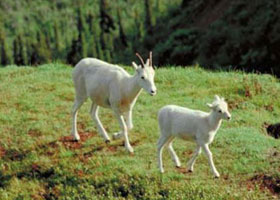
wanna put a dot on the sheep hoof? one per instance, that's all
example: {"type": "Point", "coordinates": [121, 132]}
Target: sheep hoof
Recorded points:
{"type": "Point", "coordinates": [178, 166]}
{"type": "Point", "coordinates": [190, 171]}
{"type": "Point", "coordinates": [107, 141]}
{"type": "Point", "coordinates": [76, 139]}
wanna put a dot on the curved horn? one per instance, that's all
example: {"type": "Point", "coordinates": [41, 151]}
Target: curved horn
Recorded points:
{"type": "Point", "coordinates": [150, 60]}
{"type": "Point", "coordinates": [141, 59]}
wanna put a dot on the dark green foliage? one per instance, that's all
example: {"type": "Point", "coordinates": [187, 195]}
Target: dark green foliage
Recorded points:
{"type": "Point", "coordinates": [5, 57]}
{"type": "Point", "coordinates": [20, 56]}
{"type": "Point", "coordinates": [40, 50]}
{"type": "Point", "coordinates": [220, 34]}
{"type": "Point", "coordinates": [148, 17]}
{"type": "Point", "coordinates": [179, 49]}
{"type": "Point", "coordinates": [70, 30]}
{"type": "Point", "coordinates": [216, 34]}
{"type": "Point", "coordinates": [122, 35]}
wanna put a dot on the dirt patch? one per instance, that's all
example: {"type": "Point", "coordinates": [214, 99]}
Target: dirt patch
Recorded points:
{"type": "Point", "coordinates": [273, 130]}
{"type": "Point", "coordinates": [182, 170]}
{"type": "Point", "coordinates": [80, 173]}
{"type": "Point", "coordinates": [108, 147]}
{"type": "Point", "coordinates": [188, 153]}
{"type": "Point", "coordinates": [269, 107]}
{"type": "Point", "coordinates": [34, 133]}
{"type": "Point", "coordinates": [14, 155]}
{"type": "Point", "coordinates": [233, 104]}
{"type": "Point", "coordinates": [2, 152]}
{"type": "Point", "coordinates": [36, 171]}
{"type": "Point", "coordinates": [114, 148]}
{"type": "Point", "coordinates": [273, 156]}
{"type": "Point", "coordinates": [70, 143]}
{"type": "Point", "coordinates": [265, 182]}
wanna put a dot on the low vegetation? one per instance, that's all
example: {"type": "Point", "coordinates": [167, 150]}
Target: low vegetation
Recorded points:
{"type": "Point", "coordinates": [39, 160]}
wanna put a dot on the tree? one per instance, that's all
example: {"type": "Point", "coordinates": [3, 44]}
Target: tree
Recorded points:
{"type": "Point", "coordinates": [78, 48]}
{"type": "Point", "coordinates": [121, 31]}
{"type": "Point", "coordinates": [4, 52]}
{"type": "Point", "coordinates": [58, 43]}
{"type": "Point", "coordinates": [41, 47]}
{"type": "Point", "coordinates": [148, 17]}
{"type": "Point", "coordinates": [82, 49]}
{"type": "Point", "coordinates": [20, 56]}
{"type": "Point", "coordinates": [106, 22]}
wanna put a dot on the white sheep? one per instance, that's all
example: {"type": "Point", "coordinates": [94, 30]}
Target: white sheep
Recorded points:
{"type": "Point", "coordinates": [110, 86]}
{"type": "Point", "coordinates": [187, 124]}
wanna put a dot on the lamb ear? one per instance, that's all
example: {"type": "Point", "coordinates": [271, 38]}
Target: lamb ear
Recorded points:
{"type": "Point", "coordinates": [222, 98]}
{"type": "Point", "coordinates": [210, 105]}
{"type": "Point", "coordinates": [217, 98]}
{"type": "Point", "coordinates": [135, 66]}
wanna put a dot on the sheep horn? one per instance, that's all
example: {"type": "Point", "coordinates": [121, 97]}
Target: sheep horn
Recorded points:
{"type": "Point", "coordinates": [150, 60]}
{"type": "Point", "coordinates": [141, 59]}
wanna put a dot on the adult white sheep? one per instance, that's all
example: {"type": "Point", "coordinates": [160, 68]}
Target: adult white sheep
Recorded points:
{"type": "Point", "coordinates": [110, 86]}
{"type": "Point", "coordinates": [187, 124]}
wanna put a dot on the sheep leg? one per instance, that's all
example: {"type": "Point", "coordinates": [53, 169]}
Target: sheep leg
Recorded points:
{"type": "Point", "coordinates": [77, 104]}
{"type": "Point", "coordinates": [129, 124]}
{"type": "Point", "coordinates": [95, 117]}
{"type": "Point", "coordinates": [124, 130]}
{"type": "Point", "coordinates": [174, 155]}
{"type": "Point", "coordinates": [210, 160]}
{"type": "Point", "coordinates": [191, 162]}
{"type": "Point", "coordinates": [160, 145]}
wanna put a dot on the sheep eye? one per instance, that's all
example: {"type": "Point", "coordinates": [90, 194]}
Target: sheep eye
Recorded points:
{"type": "Point", "coordinates": [142, 77]}
{"type": "Point", "coordinates": [220, 111]}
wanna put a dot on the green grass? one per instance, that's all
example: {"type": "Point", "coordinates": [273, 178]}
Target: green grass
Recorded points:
{"type": "Point", "coordinates": [37, 162]}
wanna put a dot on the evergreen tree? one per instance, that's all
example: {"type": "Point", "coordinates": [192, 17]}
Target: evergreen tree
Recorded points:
{"type": "Point", "coordinates": [121, 31]}
{"type": "Point", "coordinates": [148, 17]}
{"type": "Point", "coordinates": [73, 56]}
{"type": "Point", "coordinates": [57, 41]}
{"type": "Point", "coordinates": [43, 51]}
{"type": "Point", "coordinates": [106, 22]}
{"type": "Point", "coordinates": [6, 58]}
{"type": "Point", "coordinates": [82, 48]}
{"type": "Point", "coordinates": [20, 56]}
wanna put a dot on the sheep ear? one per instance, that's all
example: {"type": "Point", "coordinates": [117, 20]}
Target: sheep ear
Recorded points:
{"type": "Point", "coordinates": [223, 99]}
{"type": "Point", "coordinates": [217, 98]}
{"type": "Point", "coordinates": [135, 66]}
{"type": "Point", "coordinates": [210, 105]}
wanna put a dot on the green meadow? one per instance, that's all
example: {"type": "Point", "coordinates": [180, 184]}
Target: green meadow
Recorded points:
{"type": "Point", "coordinates": [39, 160]}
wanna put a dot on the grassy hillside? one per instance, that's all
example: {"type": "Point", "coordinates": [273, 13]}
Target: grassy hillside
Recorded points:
{"type": "Point", "coordinates": [39, 161]}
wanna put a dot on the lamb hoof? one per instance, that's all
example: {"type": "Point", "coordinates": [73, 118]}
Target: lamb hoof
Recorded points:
{"type": "Point", "coordinates": [190, 171]}
{"type": "Point", "coordinates": [178, 166]}
{"type": "Point", "coordinates": [217, 176]}
{"type": "Point", "coordinates": [107, 141]}
{"type": "Point", "coordinates": [117, 136]}
{"type": "Point", "coordinates": [130, 150]}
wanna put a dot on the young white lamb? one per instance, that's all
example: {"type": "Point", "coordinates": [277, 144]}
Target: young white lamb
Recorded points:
{"type": "Point", "coordinates": [175, 121]}
{"type": "Point", "coordinates": [110, 86]}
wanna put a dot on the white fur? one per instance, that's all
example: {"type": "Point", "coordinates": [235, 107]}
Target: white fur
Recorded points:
{"type": "Point", "coordinates": [187, 124]}
{"type": "Point", "coordinates": [112, 87]}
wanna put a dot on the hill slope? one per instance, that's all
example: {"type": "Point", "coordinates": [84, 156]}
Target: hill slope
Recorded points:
{"type": "Point", "coordinates": [220, 33]}
{"type": "Point", "coordinates": [39, 161]}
